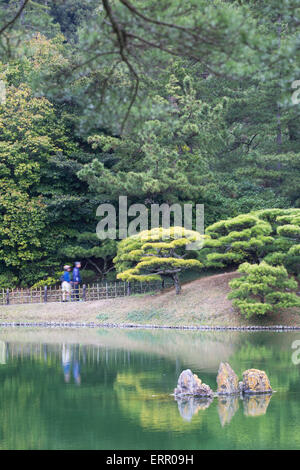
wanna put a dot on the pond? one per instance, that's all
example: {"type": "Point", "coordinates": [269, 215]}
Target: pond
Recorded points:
{"type": "Point", "coordinates": [110, 389]}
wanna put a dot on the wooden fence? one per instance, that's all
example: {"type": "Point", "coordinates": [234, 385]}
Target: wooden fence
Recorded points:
{"type": "Point", "coordinates": [87, 292]}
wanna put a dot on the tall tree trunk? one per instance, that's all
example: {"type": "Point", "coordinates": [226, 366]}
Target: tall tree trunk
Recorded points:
{"type": "Point", "coordinates": [177, 283]}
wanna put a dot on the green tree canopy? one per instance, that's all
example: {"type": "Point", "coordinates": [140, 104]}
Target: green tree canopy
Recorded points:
{"type": "Point", "coordinates": [268, 234]}
{"type": "Point", "coordinates": [263, 289]}
{"type": "Point", "coordinates": [158, 252]}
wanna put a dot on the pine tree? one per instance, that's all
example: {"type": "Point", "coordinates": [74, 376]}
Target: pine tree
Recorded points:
{"type": "Point", "coordinates": [263, 289]}
{"type": "Point", "coordinates": [154, 253]}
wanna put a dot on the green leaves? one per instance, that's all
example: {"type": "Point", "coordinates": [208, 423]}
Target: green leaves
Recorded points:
{"type": "Point", "coordinates": [263, 289]}
{"type": "Point", "coordinates": [263, 234]}
{"type": "Point", "coordinates": [245, 237]}
{"type": "Point", "coordinates": [154, 253]}
{"type": "Point", "coordinates": [154, 100]}
{"type": "Point", "coordinates": [269, 240]}
{"type": "Point", "coordinates": [169, 155]}
{"type": "Point", "coordinates": [21, 228]}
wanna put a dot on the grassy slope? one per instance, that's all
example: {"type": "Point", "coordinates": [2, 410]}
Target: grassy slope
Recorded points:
{"type": "Point", "coordinates": [202, 302]}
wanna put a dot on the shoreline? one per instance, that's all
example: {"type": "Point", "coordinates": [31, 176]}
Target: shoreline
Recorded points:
{"type": "Point", "coordinates": [147, 326]}
{"type": "Point", "coordinates": [203, 305]}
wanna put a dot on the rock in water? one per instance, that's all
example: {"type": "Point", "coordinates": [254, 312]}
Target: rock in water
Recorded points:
{"type": "Point", "coordinates": [255, 381]}
{"type": "Point", "coordinates": [227, 380]}
{"type": "Point", "coordinates": [190, 384]}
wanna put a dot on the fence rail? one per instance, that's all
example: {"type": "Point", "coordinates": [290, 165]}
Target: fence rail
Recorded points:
{"type": "Point", "coordinates": [87, 292]}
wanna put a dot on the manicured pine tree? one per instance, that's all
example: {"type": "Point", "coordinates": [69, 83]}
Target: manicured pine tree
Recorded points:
{"type": "Point", "coordinates": [232, 241]}
{"type": "Point", "coordinates": [263, 289]}
{"type": "Point", "coordinates": [158, 252]}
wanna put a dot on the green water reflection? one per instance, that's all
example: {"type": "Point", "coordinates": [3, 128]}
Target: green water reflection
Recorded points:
{"type": "Point", "coordinates": [110, 389]}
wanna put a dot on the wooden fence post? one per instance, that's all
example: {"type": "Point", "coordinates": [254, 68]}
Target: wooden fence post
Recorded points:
{"type": "Point", "coordinates": [128, 289]}
{"type": "Point", "coordinates": [83, 292]}
{"type": "Point", "coordinates": [7, 296]}
{"type": "Point", "coordinates": [163, 284]}
{"type": "Point", "coordinates": [45, 294]}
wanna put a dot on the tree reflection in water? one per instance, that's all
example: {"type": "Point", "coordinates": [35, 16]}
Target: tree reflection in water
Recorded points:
{"type": "Point", "coordinates": [126, 381]}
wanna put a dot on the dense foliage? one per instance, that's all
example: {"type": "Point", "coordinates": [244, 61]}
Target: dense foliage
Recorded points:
{"type": "Point", "coordinates": [162, 102]}
{"type": "Point", "coordinates": [265, 246]}
{"type": "Point", "coordinates": [263, 289]}
{"type": "Point", "coordinates": [151, 254]}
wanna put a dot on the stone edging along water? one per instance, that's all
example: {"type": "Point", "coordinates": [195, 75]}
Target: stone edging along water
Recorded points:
{"type": "Point", "coordinates": [46, 324]}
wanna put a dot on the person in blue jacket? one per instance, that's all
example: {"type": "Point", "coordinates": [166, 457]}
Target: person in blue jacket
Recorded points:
{"type": "Point", "coordinates": [66, 283]}
{"type": "Point", "coordinates": [76, 279]}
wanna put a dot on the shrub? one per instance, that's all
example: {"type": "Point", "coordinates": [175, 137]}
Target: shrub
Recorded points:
{"type": "Point", "coordinates": [50, 281]}
{"type": "Point", "coordinates": [8, 280]}
{"type": "Point", "coordinates": [263, 289]}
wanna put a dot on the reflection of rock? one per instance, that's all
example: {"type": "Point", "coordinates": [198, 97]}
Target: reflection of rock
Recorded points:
{"type": "Point", "coordinates": [255, 381]}
{"type": "Point", "coordinates": [227, 380]}
{"type": "Point", "coordinates": [227, 407]}
{"type": "Point", "coordinates": [189, 406]}
{"type": "Point", "coordinates": [256, 405]}
{"type": "Point", "coordinates": [190, 384]}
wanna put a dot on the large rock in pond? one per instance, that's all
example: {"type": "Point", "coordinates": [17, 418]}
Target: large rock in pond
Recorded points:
{"type": "Point", "coordinates": [255, 381]}
{"type": "Point", "coordinates": [190, 384]}
{"type": "Point", "coordinates": [227, 380]}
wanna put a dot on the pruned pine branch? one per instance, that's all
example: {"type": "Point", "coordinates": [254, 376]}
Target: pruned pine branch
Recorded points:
{"type": "Point", "coordinates": [14, 19]}
{"type": "Point", "coordinates": [121, 37]}
{"type": "Point", "coordinates": [127, 42]}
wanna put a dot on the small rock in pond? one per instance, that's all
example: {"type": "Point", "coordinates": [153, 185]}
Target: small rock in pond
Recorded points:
{"type": "Point", "coordinates": [190, 384]}
{"type": "Point", "coordinates": [256, 381]}
{"type": "Point", "coordinates": [227, 380]}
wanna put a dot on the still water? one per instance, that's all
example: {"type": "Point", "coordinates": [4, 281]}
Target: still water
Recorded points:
{"type": "Point", "coordinates": [110, 389]}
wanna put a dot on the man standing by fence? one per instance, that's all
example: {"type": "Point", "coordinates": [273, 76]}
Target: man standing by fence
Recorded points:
{"type": "Point", "coordinates": [66, 283]}
{"type": "Point", "coordinates": [76, 280]}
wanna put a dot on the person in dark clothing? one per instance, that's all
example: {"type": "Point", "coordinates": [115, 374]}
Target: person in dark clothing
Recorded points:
{"type": "Point", "coordinates": [76, 280]}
